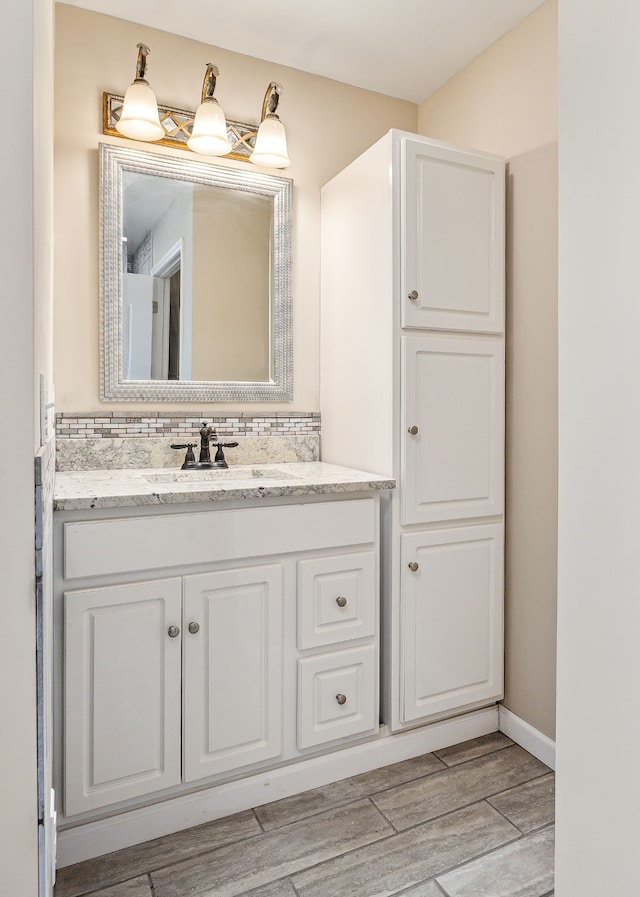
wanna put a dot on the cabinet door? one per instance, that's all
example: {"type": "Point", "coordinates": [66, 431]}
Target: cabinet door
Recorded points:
{"type": "Point", "coordinates": [232, 669]}
{"type": "Point", "coordinates": [122, 692]}
{"type": "Point", "coordinates": [452, 239]}
{"type": "Point", "coordinates": [452, 428]}
{"type": "Point", "coordinates": [452, 622]}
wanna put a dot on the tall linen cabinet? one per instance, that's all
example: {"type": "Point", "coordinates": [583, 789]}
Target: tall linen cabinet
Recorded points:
{"type": "Point", "coordinates": [412, 386]}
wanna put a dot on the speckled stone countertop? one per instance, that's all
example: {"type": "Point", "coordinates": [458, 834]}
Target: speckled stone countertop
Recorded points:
{"type": "Point", "coordinates": [85, 489]}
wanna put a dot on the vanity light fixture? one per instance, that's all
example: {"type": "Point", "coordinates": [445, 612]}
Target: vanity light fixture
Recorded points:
{"type": "Point", "coordinates": [209, 132]}
{"type": "Point", "coordinates": [271, 141]}
{"type": "Point", "coordinates": [140, 117]}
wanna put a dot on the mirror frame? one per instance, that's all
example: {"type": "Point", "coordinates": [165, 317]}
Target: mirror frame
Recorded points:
{"type": "Point", "coordinates": [114, 160]}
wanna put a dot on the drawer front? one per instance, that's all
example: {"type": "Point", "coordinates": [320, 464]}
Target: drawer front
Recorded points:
{"type": "Point", "coordinates": [337, 696]}
{"type": "Point", "coordinates": [337, 599]}
{"type": "Point", "coordinates": [102, 547]}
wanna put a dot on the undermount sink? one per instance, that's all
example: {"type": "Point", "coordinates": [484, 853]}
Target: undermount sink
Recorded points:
{"type": "Point", "coordinates": [217, 474]}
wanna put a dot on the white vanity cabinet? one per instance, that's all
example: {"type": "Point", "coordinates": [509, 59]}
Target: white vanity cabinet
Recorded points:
{"type": "Point", "coordinates": [412, 386]}
{"type": "Point", "coordinates": [143, 664]}
{"type": "Point", "coordinates": [202, 642]}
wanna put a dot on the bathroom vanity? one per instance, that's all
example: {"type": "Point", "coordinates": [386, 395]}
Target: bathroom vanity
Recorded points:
{"type": "Point", "coordinates": [210, 624]}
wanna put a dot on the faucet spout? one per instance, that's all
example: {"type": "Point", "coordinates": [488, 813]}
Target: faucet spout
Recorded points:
{"type": "Point", "coordinates": [207, 432]}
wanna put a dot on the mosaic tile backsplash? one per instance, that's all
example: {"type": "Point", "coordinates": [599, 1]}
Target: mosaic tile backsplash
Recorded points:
{"type": "Point", "coordinates": [121, 425]}
{"type": "Point", "coordinates": [87, 441]}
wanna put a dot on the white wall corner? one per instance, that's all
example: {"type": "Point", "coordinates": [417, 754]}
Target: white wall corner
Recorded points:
{"type": "Point", "coordinates": [524, 734]}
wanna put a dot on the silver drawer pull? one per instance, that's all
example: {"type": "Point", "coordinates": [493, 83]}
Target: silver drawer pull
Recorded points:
{"type": "Point", "coordinates": [341, 699]}
{"type": "Point", "coordinates": [413, 566]}
{"type": "Point", "coordinates": [193, 628]}
{"type": "Point", "coordinates": [413, 430]}
{"type": "Point", "coordinates": [413, 295]}
{"type": "Point", "coordinates": [173, 631]}
{"type": "Point", "coordinates": [341, 601]}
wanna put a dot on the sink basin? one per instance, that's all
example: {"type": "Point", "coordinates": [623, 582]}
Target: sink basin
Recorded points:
{"type": "Point", "coordinates": [221, 475]}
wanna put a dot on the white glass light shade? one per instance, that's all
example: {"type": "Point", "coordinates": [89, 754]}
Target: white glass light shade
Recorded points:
{"type": "Point", "coordinates": [139, 119]}
{"type": "Point", "coordinates": [271, 145]}
{"type": "Point", "coordinates": [209, 134]}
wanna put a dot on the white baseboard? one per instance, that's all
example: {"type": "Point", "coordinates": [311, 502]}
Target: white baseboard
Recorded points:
{"type": "Point", "coordinates": [532, 740]}
{"type": "Point", "coordinates": [145, 823]}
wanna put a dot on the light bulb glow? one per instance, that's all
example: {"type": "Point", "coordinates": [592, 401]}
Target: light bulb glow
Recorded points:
{"type": "Point", "coordinates": [139, 119]}
{"type": "Point", "coordinates": [271, 145]}
{"type": "Point", "coordinates": [209, 133]}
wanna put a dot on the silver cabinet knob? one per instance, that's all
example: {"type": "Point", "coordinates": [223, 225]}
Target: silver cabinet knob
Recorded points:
{"type": "Point", "coordinates": [413, 430]}
{"type": "Point", "coordinates": [413, 295]}
{"type": "Point", "coordinates": [193, 628]}
{"type": "Point", "coordinates": [341, 699]}
{"type": "Point", "coordinates": [173, 631]}
{"type": "Point", "coordinates": [341, 601]}
{"type": "Point", "coordinates": [413, 566]}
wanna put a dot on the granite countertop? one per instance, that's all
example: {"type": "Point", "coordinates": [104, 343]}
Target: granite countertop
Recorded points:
{"type": "Point", "coordinates": [85, 489]}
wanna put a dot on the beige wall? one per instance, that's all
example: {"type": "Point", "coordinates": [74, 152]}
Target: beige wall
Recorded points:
{"type": "Point", "coordinates": [231, 271]}
{"type": "Point", "coordinates": [505, 102]}
{"type": "Point", "coordinates": [328, 124]}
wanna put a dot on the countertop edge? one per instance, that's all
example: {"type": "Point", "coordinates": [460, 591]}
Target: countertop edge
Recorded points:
{"type": "Point", "coordinates": [154, 497]}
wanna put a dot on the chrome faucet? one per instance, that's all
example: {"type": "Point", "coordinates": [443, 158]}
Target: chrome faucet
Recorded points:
{"type": "Point", "coordinates": [208, 437]}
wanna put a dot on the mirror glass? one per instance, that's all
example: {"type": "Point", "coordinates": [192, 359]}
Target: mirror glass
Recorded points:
{"type": "Point", "coordinates": [196, 299]}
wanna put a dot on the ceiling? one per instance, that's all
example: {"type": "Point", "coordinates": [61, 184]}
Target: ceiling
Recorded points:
{"type": "Point", "coordinates": [405, 49]}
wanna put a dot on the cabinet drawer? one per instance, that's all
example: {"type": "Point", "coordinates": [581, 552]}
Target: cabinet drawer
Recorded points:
{"type": "Point", "coordinates": [102, 547]}
{"type": "Point", "coordinates": [337, 696]}
{"type": "Point", "coordinates": [336, 599]}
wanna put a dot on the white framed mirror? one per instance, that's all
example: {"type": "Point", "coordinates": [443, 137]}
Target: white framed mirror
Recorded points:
{"type": "Point", "coordinates": [195, 280]}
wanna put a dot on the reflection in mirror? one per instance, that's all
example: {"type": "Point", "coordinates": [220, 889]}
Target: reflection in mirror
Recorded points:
{"type": "Point", "coordinates": [197, 291]}
{"type": "Point", "coordinates": [196, 300]}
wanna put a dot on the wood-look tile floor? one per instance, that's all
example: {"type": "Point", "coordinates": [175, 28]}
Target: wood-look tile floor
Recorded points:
{"type": "Point", "coordinates": [474, 820]}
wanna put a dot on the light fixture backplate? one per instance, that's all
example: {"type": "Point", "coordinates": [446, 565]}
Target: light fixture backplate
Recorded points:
{"type": "Point", "coordinates": [177, 125]}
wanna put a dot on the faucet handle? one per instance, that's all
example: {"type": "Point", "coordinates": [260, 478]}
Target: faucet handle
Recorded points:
{"type": "Point", "coordinates": [219, 459]}
{"type": "Point", "coordinates": [189, 458]}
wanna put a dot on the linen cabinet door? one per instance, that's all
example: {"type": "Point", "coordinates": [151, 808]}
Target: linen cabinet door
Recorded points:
{"type": "Point", "coordinates": [452, 428]}
{"type": "Point", "coordinates": [232, 689]}
{"type": "Point", "coordinates": [122, 692]}
{"type": "Point", "coordinates": [452, 238]}
{"type": "Point", "coordinates": [451, 619]}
